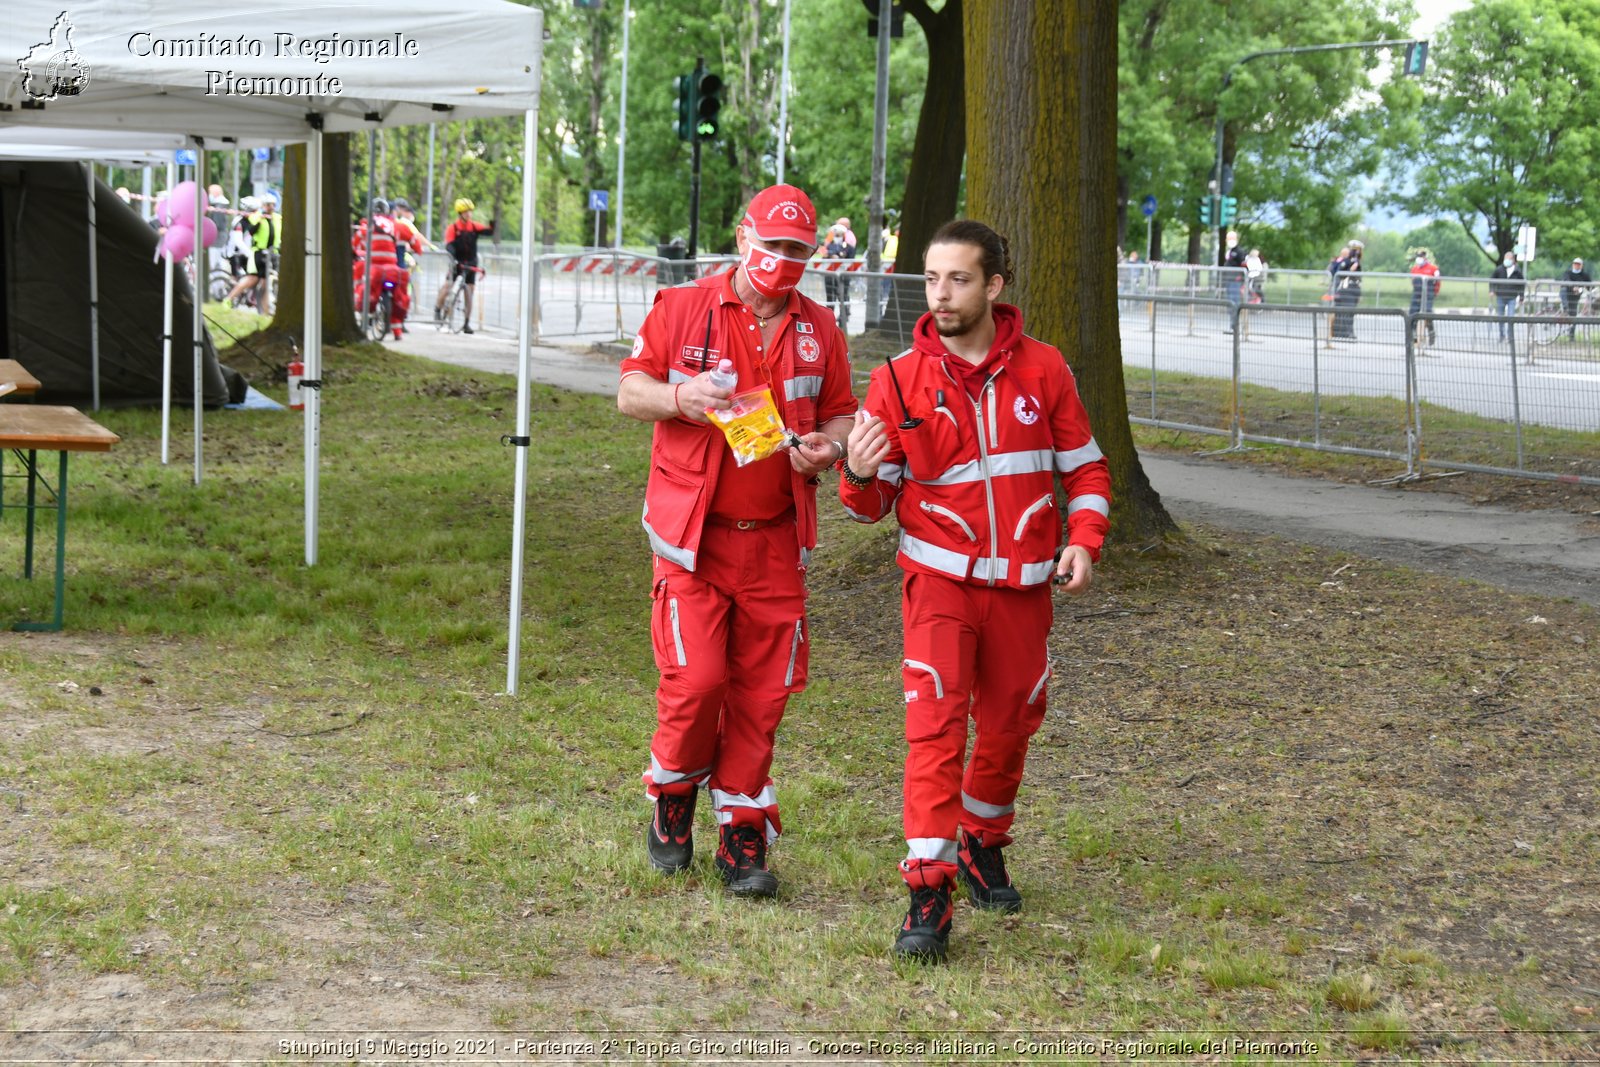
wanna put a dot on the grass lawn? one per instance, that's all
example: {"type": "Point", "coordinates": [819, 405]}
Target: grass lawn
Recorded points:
{"type": "Point", "coordinates": [1282, 793]}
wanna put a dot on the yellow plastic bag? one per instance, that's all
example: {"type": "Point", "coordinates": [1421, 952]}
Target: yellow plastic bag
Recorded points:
{"type": "Point", "coordinates": [753, 427]}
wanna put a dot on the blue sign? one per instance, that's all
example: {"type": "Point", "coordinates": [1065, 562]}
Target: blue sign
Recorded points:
{"type": "Point", "coordinates": [1148, 206]}
{"type": "Point", "coordinates": [599, 199]}
{"type": "Point", "coordinates": [263, 155]}
{"type": "Point", "coordinates": [185, 157]}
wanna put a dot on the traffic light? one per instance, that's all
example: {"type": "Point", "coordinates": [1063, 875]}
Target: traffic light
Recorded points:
{"type": "Point", "coordinates": [1230, 208]}
{"type": "Point", "coordinates": [685, 123]}
{"type": "Point", "coordinates": [1205, 211]}
{"type": "Point", "coordinates": [707, 102]}
{"type": "Point", "coordinates": [1416, 59]}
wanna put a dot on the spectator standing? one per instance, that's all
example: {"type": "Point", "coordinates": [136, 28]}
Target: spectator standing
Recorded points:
{"type": "Point", "coordinates": [1424, 287]}
{"type": "Point", "coordinates": [731, 543]}
{"type": "Point", "coordinates": [1574, 281]}
{"type": "Point", "coordinates": [1506, 285]}
{"type": "Point", "coordinates": [1233, 277]}
{"type": "Point", "coordinates": [966, 436]}
{"type": "Point", "coordinates": [1345, 271]}
{"type": "Point", "coordinates": [266, 235]}
{"type": "Point", "coordinates": [1255, 273]}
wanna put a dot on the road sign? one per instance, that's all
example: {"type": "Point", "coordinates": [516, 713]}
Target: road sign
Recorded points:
{"type": "Point", "coordinates": [185, 157]}
{"type": "Point", "coordinates": [599, 199]}
{"type": "Point", "coordinates": [262, 155]}
{"type": "Point", "coordinates": [1527, 239]}
{"type": "Point", "coordinates": [1148, 206]}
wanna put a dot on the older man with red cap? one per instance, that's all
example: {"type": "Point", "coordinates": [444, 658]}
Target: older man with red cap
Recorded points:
{"type": "Point", "coordinates": [731, 542]}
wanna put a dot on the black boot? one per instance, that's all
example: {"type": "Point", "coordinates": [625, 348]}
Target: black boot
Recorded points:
{"type": "Point", "coordinates": [925, 934]}
{"type": "Point", "coordinates": [670, 836]}
{"type": "Point", "coordinates": [742, 859]}
{"type": "Point", "coordinates": [983, 870]}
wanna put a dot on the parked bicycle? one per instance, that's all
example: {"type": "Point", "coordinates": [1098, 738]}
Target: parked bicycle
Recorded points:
{"type": "Point", "coordinates": [1554, 323]}
{"type": "Point", "coordinates": [454, 315]}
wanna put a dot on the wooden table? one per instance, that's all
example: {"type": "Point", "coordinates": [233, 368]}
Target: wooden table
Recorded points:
{"type": "Point", "coordinates": [26, 429]}
{"type": "Point", "coordinates": [12, 374]}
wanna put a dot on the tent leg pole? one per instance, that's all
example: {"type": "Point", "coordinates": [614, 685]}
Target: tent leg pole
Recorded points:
{"type": "Point", "coordinates": [199, 294]}
{"type": "Point", "coordinates": [94, 291]}
{"type": "Point", "coordinates": [524, 356]}
{"type": "Point", "coordinates": [166, 339]}
{"type": "Point", "coordinates": [313, 397]}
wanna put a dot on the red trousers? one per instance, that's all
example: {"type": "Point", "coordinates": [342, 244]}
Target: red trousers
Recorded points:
{"type": "Point", "coordinates": [731, 643]}
{"type": "Point", "coordinates": [392, 274]}
{"type": "Point", "coordinates": [970, 650]}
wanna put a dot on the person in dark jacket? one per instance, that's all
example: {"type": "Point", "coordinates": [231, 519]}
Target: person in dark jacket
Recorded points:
{"type": "Point", "coordinates": [1574, 282]}
{"type": "Point", "coordinates": [1345, 271]}
{"type": "Point", "coordinates": [1506, 285]}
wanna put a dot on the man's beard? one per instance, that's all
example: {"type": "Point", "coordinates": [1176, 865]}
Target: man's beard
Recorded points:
{"type": "Point", "coordinates": [963, 323]}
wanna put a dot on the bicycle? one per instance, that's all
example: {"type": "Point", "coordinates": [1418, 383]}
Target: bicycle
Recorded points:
{"type": "Point", "coordinates": [381, 316]}
{"type": "Point", "coordinates": [1552, 320]}
{"type": "Point", "coordinates": [454, 315]}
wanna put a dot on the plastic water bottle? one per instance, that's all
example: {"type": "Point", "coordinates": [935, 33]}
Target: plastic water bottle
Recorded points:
{"type": "Point", "coordinates": [723, 376]}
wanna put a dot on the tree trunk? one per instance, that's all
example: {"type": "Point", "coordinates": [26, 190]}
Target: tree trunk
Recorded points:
{"type": "Point", "coordinates": [933, 180]}
{"type": "Point", "coordinates": [1041, 168]}
{"type": "Point", "coordinates": [338, 299]}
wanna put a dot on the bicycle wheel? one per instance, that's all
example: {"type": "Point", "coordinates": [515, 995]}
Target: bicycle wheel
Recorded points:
{"type": "Point", "coordinates": [378, 325]}
{"type": "Point", "coordinates": [221, 285]}
{"type": "Point", "coordinates": [1546, 329]}
{"type": "Point", "coordinates": [455, 313]}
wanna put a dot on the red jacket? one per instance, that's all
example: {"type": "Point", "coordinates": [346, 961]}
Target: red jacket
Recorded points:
{"type": "Point", "coordinates": [973, 485]}
{"type": "Point", "coordinates": [383, 246]}
{"type": "Point", "coordinates": [685, 456]}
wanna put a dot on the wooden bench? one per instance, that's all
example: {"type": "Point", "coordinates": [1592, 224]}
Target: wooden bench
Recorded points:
{"type": "Point", "coordinates": [27, 429]}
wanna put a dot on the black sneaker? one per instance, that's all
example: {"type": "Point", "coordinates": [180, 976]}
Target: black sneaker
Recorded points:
{"type": "Point", "coordinates": [742, 859]}
{"type": "Point", "coordinates": [983, 870]}
{"type": "Point", "coordinates": [925, 934]}
{"type": "Point", "coordinates": [670, 836]}
{"type": "Point", "coordinates": [466, 329]}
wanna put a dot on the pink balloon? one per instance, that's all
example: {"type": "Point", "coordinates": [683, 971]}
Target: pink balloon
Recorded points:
{"type": "Point", "coordinates": [181, 204]}
{"type": "Point", "coordinates": [178, 241]}
{"type": "Point", "coordinates": [161, 211]}
{"type": "Point", "coordinates": [208, 232]}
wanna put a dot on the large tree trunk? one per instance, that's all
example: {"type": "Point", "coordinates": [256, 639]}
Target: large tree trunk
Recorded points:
{"type": "Point", "coordinates": [338, 299]}
{"type": "Point", "coordinates": [1041, 168]}
{"type": "Point", "coordinates": [933, 180]}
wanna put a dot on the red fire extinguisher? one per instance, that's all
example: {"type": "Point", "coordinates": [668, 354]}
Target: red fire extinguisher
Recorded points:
{"type": "Point", "coordinates": [297, 370]}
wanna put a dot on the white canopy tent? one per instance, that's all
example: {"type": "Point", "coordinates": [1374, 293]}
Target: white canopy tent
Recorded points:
{"type": "Point", "coordinates": [183, 68]}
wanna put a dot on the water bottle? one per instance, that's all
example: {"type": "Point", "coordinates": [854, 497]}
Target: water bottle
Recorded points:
{"type": "Point", "coordinates": [723, 376]}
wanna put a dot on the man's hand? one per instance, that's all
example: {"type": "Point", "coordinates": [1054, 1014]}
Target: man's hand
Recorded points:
{"type": "Point", "coordinates": [814, 453]}
{"type": "Point", "coordinates": [867, 444]}
{"type": "Point", "coordinates": [1074, 570]}
{"type": "Point", "coordinates": [697, 394]}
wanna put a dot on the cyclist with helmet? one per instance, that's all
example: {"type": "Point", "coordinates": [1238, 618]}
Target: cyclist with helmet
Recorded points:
{"type": "Point", "coordinates": [266, 235]}
{"type": "Point", "coordinates": [461, 241]}
{"type": "Point", "coordinates": [386, 268]}
{"type": "Point", "coordinates": [406, 234]}
{"type": "Point", "coordinates": [241, 235]}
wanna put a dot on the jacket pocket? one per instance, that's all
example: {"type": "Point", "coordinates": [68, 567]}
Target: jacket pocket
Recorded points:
{"type": "Point", "coordinates": [670, 499]}
{"type": "Point", "coordinates": [949, 517]}
{"type": "Point", "coordinates": [1043, 506]}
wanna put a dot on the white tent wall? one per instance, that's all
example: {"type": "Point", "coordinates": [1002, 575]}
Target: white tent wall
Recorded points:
{"type": "Point", "coordinates": [180, 68]}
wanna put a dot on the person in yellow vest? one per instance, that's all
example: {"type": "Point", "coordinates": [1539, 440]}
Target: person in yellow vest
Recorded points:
{"type": "Point", "coordinates": [891, 246]}
{"type": "Point", "coordinates": [266, 235]}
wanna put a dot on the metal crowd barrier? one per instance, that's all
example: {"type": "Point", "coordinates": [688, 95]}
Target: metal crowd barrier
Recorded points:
{"type": "Point", "coordinates": [1516, 395]}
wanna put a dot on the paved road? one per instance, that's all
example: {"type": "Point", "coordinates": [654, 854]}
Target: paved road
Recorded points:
{"type": "Point", "coordinates": [1547, 552]}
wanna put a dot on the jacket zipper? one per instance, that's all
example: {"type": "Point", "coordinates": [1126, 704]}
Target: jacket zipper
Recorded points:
{"type": "Point", "coordinates": [952, 516]}
{"type": "Point", "coordinates": [1033, 509]}
{"type": "Point", "coordinates": [983, 465]}
{"type": "Point", "coordinates": [677, 633]}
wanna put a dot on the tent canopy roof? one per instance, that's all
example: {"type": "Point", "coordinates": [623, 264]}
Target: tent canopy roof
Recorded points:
{"type": "Point", "coordinates": [238, 75]}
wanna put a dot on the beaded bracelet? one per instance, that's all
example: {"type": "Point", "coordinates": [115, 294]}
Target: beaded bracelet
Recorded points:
{"type": "Point", "coordinates": [853, 478]}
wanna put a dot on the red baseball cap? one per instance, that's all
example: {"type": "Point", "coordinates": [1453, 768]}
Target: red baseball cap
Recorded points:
{"type": "Point", "coordinates": [782, 213]}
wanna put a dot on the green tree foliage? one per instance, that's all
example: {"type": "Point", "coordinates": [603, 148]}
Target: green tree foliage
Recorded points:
{"type": "Point", "coordinates": [1456, 253]}
{"type": "Point", "coordinates": [1507, 125]}
{"type": "Point", "coordinates": [1295, 133]}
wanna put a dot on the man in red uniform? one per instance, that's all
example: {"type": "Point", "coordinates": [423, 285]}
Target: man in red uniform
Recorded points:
{"type": "Point", "coordinates": [386, 268]}
{"type": "Point", "coordinates": [963, 437]}
{"type": "Point", "coordinates": [731, 543]}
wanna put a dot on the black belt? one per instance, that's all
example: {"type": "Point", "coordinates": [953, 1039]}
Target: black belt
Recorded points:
{"type": "Point", "coordinates": [750, 524]}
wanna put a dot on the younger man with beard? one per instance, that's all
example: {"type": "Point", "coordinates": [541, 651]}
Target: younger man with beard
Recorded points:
{"type": "Point", "coordinates": [962, 437]}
